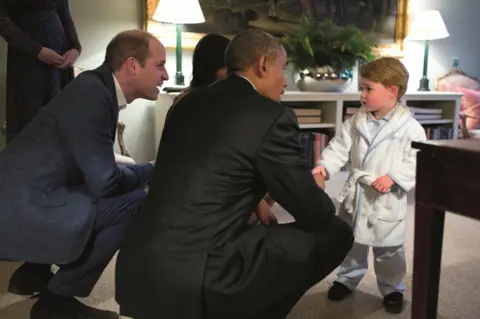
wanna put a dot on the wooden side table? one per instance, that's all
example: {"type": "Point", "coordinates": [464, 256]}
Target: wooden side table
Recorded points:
{"type": "Point", "coordinates": [448, 179]}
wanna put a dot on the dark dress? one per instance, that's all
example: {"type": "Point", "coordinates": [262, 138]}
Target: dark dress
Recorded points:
{"type": "Point", "coordinates": [27, 26]}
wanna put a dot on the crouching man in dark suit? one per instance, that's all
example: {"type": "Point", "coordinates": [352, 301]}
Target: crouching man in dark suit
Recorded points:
{"type": "Point", "coordinates": [191, 254]}
{"type": "Point", "coordinates": [63, 199]}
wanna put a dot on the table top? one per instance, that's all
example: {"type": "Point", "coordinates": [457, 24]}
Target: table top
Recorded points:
{"type": "Point", "coordinates": [460, 148]}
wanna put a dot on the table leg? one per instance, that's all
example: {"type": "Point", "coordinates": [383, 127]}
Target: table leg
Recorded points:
{"type": "Point", "coordinates": [429, 224]}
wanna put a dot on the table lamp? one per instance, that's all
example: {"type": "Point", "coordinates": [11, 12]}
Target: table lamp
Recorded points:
{"type": "Point", "coordinates": [427, 26]}
{"type": "Point", "coordinates": [179, 12]}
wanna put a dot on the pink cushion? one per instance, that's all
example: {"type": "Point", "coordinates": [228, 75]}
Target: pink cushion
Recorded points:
{"type": "Point", "coordinates": [452, 81]}
{"type": "Point", "coordinates": [457, 81]}
{"type": "Point", "coordinates": [470, 106]}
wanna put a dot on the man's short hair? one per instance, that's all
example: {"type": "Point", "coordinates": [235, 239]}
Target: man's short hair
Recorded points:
{"type": "Point", "coordinates": [248, 46]}
{"type": "Point", "coordinates": [126, 44]}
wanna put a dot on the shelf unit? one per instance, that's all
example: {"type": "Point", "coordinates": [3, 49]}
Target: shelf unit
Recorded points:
{"type": "Point", "coordinates": [333, 107]}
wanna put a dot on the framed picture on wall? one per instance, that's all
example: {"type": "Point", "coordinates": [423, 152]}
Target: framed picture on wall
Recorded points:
{"type": "Point", "coordinates": [384, 20]}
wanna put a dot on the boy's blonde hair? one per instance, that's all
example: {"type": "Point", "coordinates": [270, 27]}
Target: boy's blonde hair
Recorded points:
{"type": "Point", "coordinates": [388, 71]}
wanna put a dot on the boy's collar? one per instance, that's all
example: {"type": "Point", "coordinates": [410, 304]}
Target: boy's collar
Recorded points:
{"type": "Point", "coordinates": [386, 117]}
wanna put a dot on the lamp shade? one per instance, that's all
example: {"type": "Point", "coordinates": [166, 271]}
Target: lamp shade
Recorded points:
{"type": "Point", "coordinates": [179, 12]}
{"type": "Point", "coordinates": [428, 25]}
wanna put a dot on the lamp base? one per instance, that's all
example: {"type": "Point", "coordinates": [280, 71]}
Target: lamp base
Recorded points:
{"type": "Point", "coordinates": [179, 78]}
{"type": "Point", "coordinates": [424, 84]}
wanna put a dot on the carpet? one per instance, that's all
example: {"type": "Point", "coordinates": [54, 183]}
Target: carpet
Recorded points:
{"type": "Point", "coordinates": [459, 287]}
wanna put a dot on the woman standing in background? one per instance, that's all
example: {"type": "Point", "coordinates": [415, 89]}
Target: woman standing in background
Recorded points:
{"type": "Point", "coordinates": [42, 47]}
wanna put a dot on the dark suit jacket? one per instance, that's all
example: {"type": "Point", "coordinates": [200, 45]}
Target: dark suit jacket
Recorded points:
{"type": "Point", "coordinates": [222, 149]}
{"type": "Point", "coordinates": [56, 169]}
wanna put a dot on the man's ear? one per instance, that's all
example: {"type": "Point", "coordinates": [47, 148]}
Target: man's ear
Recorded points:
{"type": "Point", "coordinates": [132, 65]}
{"type": "Point", "coordinates": [262, 66]}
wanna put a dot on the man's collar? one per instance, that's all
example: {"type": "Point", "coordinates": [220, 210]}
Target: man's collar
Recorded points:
{"type": "Point", "coordinates": [121, 100]}
{"type": "Point", "coordinates": [247, 80]}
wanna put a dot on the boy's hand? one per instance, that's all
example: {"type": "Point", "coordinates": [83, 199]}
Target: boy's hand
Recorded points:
{"type": "Point", "coordinates": [320, 170]}
{"type": "Point", "coordinates": [320, 180]}
{"type": "Point", "coordinates": [383, 184]}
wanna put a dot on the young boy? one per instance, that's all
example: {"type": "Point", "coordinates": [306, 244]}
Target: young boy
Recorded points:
{"type": "Point", "coordinates": [377, 142]}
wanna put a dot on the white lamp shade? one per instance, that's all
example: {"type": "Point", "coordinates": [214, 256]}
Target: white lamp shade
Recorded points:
{"type": "Point", "coordinates": [179, 12]}
{"type": "Point", "coordinates": [428, 25]}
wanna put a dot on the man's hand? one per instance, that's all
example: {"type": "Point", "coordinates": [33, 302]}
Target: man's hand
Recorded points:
{"type": "Point", "coordinates": [70, 57]}
{"type": "Point", "coordinates": [264, 214]}
{"type": "Point", "coordinates": [320, 170]}
{"type": "Point", "coordinates": [270, 201]}
{"type": "Point", "coordinates": [383, 184]}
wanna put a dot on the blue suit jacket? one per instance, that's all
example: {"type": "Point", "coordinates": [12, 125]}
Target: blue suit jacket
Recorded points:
{"type": "Point", "coordinates": [53, 173]}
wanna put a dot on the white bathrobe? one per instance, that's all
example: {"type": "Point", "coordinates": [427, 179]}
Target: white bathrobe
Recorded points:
{"type": "Point", "coordinates": [378, 219]}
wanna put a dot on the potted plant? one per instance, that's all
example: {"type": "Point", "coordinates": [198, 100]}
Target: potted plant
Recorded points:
{"type": "Point", "coordinates": [324, 55]}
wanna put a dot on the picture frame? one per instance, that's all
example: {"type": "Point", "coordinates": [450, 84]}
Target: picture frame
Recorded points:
{"type": "Point", "coordinates": [389, 43]}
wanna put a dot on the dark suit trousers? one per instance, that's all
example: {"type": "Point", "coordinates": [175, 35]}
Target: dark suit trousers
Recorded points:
{"type": "Point", "coordinates": [113, 216]}
{"type": "Point", "coordinates": [330, 247]}
{"type": "Point", "coordinates": [283, 285]}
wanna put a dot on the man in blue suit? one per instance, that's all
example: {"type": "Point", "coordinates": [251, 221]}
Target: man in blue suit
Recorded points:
{"type": "Point", "coordinates": [63, 199]}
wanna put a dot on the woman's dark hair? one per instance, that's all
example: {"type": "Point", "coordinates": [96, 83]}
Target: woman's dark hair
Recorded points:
{"type": "Point", "coordinates": [208, 58]}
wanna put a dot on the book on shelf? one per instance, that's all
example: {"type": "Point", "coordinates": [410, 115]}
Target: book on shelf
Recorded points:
{"type": "Point", "coordinates": [313, 144]}
{"type": "Point", "coordinates": [308, 112]}
{"type": "Point", "coordinates": [423, 117]}
{"type": "Point", "coordinates": [425, 114]}
{"type": "Point", "coordinates": [420, 110]}
{"type": "Point", "coordinates": [308, 116]}
{"type": "Point", "coordinates": [439, 132]}
{"type": "Point", "coordinates": [309, 119]}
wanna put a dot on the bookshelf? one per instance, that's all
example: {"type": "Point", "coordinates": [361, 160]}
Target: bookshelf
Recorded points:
{"type": "Point", "coordinates": [333, 107]}
{"type": "Point", "coordinates": [437, 112]}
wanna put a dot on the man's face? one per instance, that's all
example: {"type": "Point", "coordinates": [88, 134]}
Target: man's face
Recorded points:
{"type": "Point", "coordinates": [153, 73]}
{"type": "Point", "coordinates": [274, 78]}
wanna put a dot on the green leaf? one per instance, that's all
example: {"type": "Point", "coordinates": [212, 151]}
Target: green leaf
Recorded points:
{"type": "Point", "coordinates": [316, 44]}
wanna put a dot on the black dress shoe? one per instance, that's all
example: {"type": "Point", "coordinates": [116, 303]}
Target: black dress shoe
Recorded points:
{"type": "Point", "coordinates": [29, 279]}
{"type": "Point", "coordinates": [393, 302]}
{"type": "Point", "coordinates": [50, 306]}
{"type": "Point", "coordinates": [338, 291]}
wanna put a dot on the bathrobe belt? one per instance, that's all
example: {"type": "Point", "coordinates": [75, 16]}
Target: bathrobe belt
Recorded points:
{"type": "Point", "coordinates": [350, 192]}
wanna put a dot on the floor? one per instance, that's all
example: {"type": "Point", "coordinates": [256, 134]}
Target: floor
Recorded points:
{"type": "Point", "coordinates": [459, 287]}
